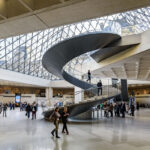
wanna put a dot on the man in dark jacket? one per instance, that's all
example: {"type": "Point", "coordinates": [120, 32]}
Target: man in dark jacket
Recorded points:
{"type": "Point", "coordinates": [99, 87]}
{"type": "Point", "coordinates": [28, 110]}
{"type": "Point", "coordinates": [89, 76]}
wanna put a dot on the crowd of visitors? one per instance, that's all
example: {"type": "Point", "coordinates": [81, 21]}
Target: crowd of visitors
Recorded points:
{"type": "Point", "coordinates": [23, 107]}
{"type": "Point", "coordinates": [110, 109]}
{"type": "Point", "coordinates": [119, 109]}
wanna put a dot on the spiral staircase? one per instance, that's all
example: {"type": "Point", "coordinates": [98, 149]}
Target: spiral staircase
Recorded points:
{"type": "Point", "coordinates": [60, 54]}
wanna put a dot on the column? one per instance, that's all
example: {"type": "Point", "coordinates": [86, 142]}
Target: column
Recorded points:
{"type": "Point", "coordinates": [78, 94]}
{"type": "Point", "coordinates": [124, 89]}
{"type": "Point", "coordinates": [49, 94]}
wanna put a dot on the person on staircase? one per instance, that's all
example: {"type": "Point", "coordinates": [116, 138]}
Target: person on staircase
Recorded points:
{"type": "Point", "coordinates": [89, 76]}
{"type": "Point", "coordinates": [99, 87]}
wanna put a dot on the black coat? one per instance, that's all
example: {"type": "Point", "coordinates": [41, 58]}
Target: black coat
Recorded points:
{"type": "Point", "coordinates": [123, 107]}
{"type": "Point", "coordinates": [34, 109]}
{"type": "Point", "coordinates": [28, 108]}
{"type": "Point", "coordinates": [99, 84]}
{"type": "Point", "coordinates": [64, 117]}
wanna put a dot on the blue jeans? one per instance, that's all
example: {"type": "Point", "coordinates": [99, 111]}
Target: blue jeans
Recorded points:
{"type": "Point", "coordinates": [28, 114]}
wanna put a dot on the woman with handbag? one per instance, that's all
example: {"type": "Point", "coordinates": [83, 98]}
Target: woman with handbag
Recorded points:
{"type": "Point", "coordinates": [56, 117]}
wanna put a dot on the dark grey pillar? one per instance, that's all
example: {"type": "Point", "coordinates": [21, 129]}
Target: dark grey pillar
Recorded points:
{"type": "Point", "coordinates": [124, 89]}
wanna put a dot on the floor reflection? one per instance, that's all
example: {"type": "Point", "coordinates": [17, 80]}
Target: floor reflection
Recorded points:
{"type": "Point", "coordinates": [19, 133]}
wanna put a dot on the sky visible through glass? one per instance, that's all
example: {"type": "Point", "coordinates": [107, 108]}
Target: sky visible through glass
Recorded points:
{"type": "Point", "coordinates": [23, 53]}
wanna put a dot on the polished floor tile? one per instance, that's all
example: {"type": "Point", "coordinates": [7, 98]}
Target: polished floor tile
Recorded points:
{"type": "Point", "coordinates": [19, 133]}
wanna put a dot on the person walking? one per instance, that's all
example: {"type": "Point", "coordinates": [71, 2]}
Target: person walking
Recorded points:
{"type": "Point", "coordinates": [101, 107]}
{"type": "Point", "coordinates": [111, 110]}
{"type": "Point", "coordinates": [115, 109]}
{"type": "Point", "coordinates": [34, 109]}
{"type": "Point", "coordinates": [106, 110]}
{"type": "Point", "coordinates": [89, 76]}
{"type": "Point", "coordinates": [4, 110]}
{"type": "Point", "coordinates": [25, 105]}
{"type": "Point", "coordinates": [65, 115]}
{"type": "Point", "coordinates": [56, 116]}
{"type": "Point", "coordinates": [21, 107]}
{"type": "Point", "coordinates": [28, 110]}
{"type": "Point", "coordinates": [13, 106]}
{"type": "Point", "coordinates": [118, 109]}
{"type": "Point", "coordinates": [10, 106]}
{"type": "Point", "coordinates": [99, 87]}
{"type": "Point", "coordinates": [132, 109]}
{"type": "Point", "coordinates": [123, 109]}
{"type": "Point", "coordinates": [0, 108]}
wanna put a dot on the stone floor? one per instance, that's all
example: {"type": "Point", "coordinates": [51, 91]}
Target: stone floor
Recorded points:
{"type": "Point", "coordinates": [19, 133]}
